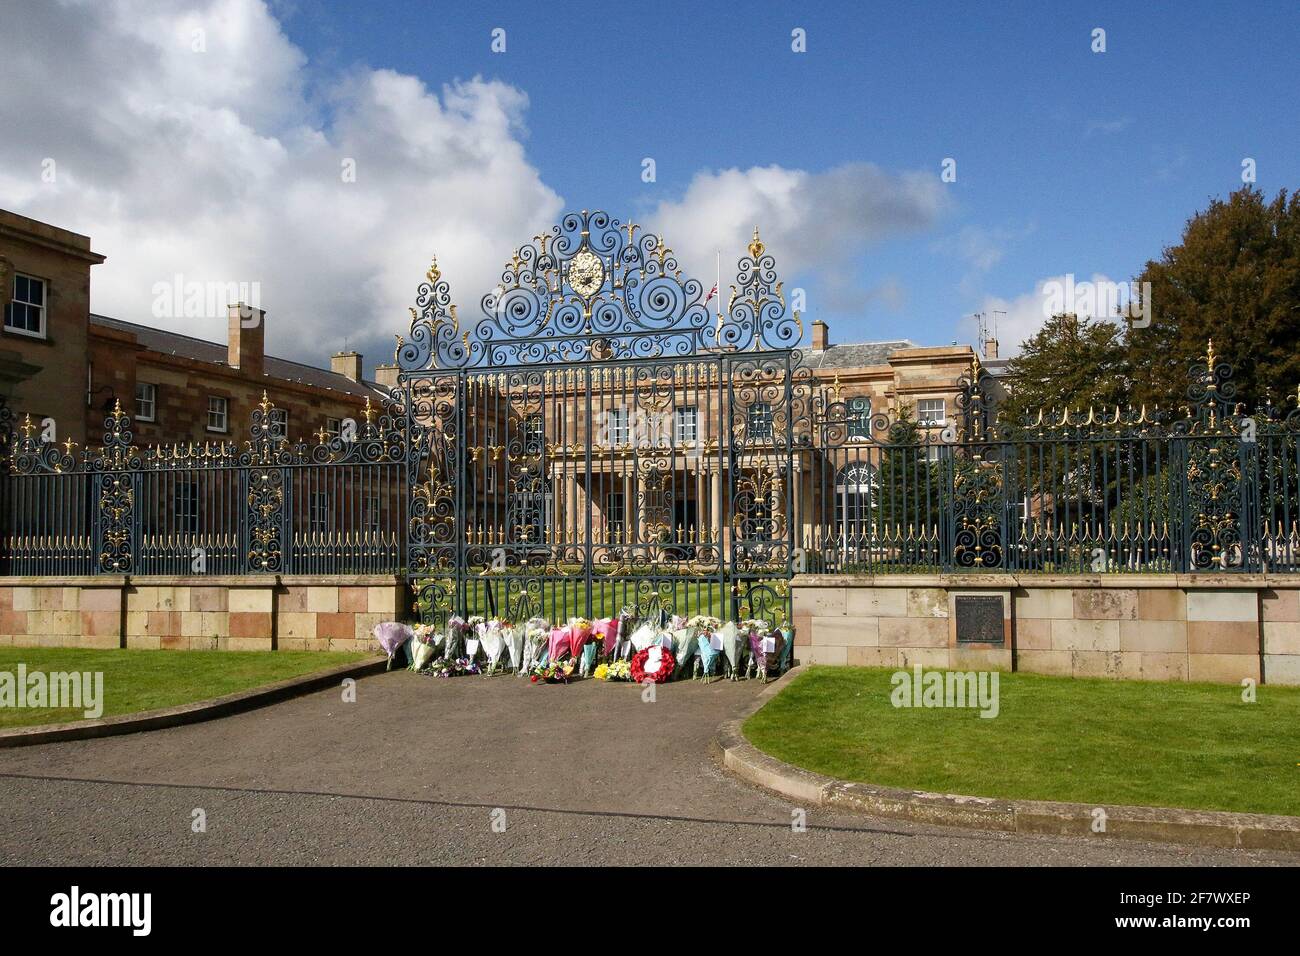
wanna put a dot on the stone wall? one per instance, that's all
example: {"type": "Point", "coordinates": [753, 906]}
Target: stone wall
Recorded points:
{"type": "Point", "coordinates": [245, 613]}
{"type": "Point", "coordinates": [1203, 627]}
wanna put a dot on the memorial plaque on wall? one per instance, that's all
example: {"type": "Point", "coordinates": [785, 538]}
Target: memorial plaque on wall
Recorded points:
{"type": "Point", "coordinates": [979, 619]}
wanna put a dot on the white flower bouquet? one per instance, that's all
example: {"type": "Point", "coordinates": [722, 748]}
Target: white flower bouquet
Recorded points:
{"type": "Point", "coordinates": [424, 644]}
{"type": "Point", "coordinates": [537, 632]}
{"type": "Point", "coordinates": [492, 639]}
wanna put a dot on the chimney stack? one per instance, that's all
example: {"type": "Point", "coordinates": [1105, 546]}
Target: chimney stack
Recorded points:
{"type": "Point", "coordinates": [347, 364]}
{"type": "Point", "coordinates": [990, 349]}
{"type": "Point", "coordinates": [246, 339]}
{"type": "Point", "coordinates": [386, 375]}
{"type": "Point", "coordinates": [821, 336]}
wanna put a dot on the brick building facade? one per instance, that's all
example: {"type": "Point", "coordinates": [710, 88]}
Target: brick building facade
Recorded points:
{"type": "Point", "coordinates": [59, 361]}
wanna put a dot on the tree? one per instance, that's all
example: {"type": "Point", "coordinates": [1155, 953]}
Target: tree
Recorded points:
{"type": "Point", "coordinates": [1070, 362]}
{"type": "Point", "coordinates": [1235, 278]}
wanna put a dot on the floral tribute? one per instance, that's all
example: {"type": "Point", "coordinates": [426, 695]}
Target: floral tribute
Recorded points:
{"type": "Point", "coordinates": [654, 664]}
{"type": "Point", "coordinates": [628, 647]}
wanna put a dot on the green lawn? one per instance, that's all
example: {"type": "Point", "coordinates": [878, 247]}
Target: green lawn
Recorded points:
{"type": "Point", "coordinates": [145, 680]}
{"type": "Point", "coordinates": [1197, 746]}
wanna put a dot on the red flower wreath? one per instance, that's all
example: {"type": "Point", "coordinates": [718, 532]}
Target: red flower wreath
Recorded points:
{"type": "Point", "coordinates": [666, 665]}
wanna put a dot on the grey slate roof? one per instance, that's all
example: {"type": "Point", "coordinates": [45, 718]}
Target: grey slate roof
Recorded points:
{"type": "Point", "coordinates": [201, 350]}
{"type": "Point", "coordinates": [853, 354]}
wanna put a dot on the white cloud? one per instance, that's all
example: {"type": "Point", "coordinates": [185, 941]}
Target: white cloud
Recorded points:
{"type": "Point", "coordinates": [811, 222]}
{"type": "Point", "coordinates": [1026, 313]}
{"type": "Point", "coordinates": [219, 166]}
{"type": "Point", "coordinates": [1107, 127]}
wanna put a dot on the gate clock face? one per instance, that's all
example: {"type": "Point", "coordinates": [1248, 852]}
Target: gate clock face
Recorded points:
{"type": "Point", "coordinates": [586, 273]}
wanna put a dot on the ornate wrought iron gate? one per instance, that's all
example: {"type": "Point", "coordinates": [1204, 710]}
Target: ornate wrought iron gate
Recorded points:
{"type": "Point", "coordinates": [598, 439]}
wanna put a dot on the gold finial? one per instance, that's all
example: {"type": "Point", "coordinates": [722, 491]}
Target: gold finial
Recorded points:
{"type": "Point", "coordinates": [265, 403]}
{"type": "Point", "coordinates": [1209, 354]}
{"type": "Point", "coordinates": [28, 427]}
{"type": "Point", "coordinates": [118, 414]}
{"type": "Point", "coordinates": [756, 246]}
{"type": "Point", "coordinates": [367, 411]}
{"type": "Point", "coordinates": [434, 273]}
{"type": "Point", "coordinates": [321, 435]}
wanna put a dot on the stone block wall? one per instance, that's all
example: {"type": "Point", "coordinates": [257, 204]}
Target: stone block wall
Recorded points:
{"type": "Point", "coordinates": [245, 613]}
{"type": "Point", "coordinates": [1212, 627]}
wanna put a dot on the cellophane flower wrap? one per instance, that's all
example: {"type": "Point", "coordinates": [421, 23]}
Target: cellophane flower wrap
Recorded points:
{"type": "Point", "coordinates": [514, 638]}
{"type": "Point", "coordinates": [424, 645]}
{"type": "Point", "coordinates": [605, 632]}
{"type": "Point", "coordinates": [733, 648]}
{"type": "Point", "coordinates": [757, 654]}
{"type": "Point", "coordinates": [709, 656]}
{"type": "Point", "coordinates": [493, 642]}
{"type": "Point", "coordinates": [684, 643]}
{"type": "Point", "coordinates": [454, 637]}
{"type": "Point", "coordinates": [536, 633]}
{"type": "Point", "coordinates": [654, 664]}
{"type": "Point", "coordinates": [588, 664]}
{"type": "Point", "coordinates": [643, 636]}
{"type": "Point", "coordinates": [627, 621]}
{"type": "Point", "coordinates": [787, 649]}
{"type": "Point", "coordinates": [580, 629]}
{"type": "Point", "coordinates": [391, 636]}
{"type": "Point", "coordinates": [559, 643]}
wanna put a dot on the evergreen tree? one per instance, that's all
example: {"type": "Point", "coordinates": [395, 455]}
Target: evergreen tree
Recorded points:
{"type": "Point", "coordinates": [1234, 277]}
{"type": "Point", "coordinates": [1069, 363]}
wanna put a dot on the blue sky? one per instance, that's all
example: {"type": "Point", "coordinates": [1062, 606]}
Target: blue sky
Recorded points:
{"type": "Point", "coordinates": [219, 161]}
{"type": "Point", "coordinates": [1067, 160]}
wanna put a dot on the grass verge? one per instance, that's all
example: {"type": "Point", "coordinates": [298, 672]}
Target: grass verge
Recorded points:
{"type": "Point", "coordinates": [136, 680]}
{"type": "Point", "coordinates": [1196, 746]}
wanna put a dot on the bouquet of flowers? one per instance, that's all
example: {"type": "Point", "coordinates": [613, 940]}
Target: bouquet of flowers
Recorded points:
{"type": "Point", "coordinates": [759, 653]}
{"type": "Point", "coordinates": [579, 634]}
{"type": "Point", "coordinates": [605, 631]}
{"type": "Point", "coordinates": [618, 670]}
{"type": "Point", "coordinates": [707, 661]}
{"type": "Point", "coordinates": [734, 644]}
{"type": "Point", "coordinates": [492, 639]}
{"type": "Point", "coordinates": [391, 637]}
{"type": "Point", "coordinates": [588, 658]}
{"type": "Point", "coordinates": [644, 636]}
{"type": "Point", "coordinates": [654, 664]}
{"type": "Point", "coordinates": [558, 642]}
{"type": "Point", "coordinates": [556, 672]}
{"type": "Point", "coordinates": [536, 633]}
{"type": "Point", "coordinates": [453, 667]}
{"type": "Point", "coordinates": [455, 637]}
{"type": "Point", "coordinates": [514, 638]}
{"type": "Point", "coordinates": [623, 644]}
{"type": "Point", "coordinates": [425, 639]}
{"type": "Point", "coordinates": [705, 623]}
{"type": "Point", "coordinates": [786, 657]}
{"type": "Point", "coordinates": [685, 641]}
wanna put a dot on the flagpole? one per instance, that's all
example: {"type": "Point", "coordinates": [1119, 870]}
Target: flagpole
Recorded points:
{"type": "Point", "coordinates": [718, 286]}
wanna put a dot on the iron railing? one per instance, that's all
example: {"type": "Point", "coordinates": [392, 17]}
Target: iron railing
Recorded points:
{"type": "Point", "coordinates": [1209, 487]}
{"type": "Point", "coordinates": [597, 484]}
{"type": "Point", "coordinates": [267, 505]}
